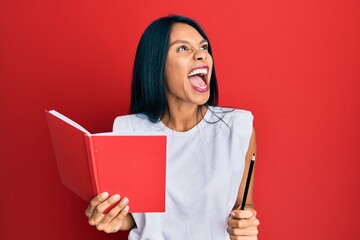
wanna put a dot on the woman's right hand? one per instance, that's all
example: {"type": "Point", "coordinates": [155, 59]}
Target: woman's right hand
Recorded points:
{"type": "Point", "coordinates": [116, 219]}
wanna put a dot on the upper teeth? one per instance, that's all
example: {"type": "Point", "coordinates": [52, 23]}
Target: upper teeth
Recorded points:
{"type": "Point", "coordinates": [201, 71]}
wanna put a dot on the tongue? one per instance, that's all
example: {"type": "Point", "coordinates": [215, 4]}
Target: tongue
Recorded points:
{"type": "Point", "coordinates": [197, 81]}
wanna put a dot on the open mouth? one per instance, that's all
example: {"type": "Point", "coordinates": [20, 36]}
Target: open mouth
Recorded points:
{"type": "Point", "coordinates": [198, 78]}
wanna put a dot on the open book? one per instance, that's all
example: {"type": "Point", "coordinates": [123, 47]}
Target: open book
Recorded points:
{"type": "Point", "coordinates": [132, 165]}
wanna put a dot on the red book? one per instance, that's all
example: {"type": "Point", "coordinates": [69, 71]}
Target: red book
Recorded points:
{"type": "Point", "coordinates": [132, 165]}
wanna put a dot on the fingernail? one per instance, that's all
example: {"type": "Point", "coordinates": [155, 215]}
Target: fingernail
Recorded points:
{"type": "Point", "coordinates": [116, 197]}
{"type": "Point", "coordinates": [126, 208]}
{"type": "Point", "coordinates": [232, 214]}
{"type": "Point", "coordinates": [124, 201]}
{"type": "Point", "coordinates": [104, 195]}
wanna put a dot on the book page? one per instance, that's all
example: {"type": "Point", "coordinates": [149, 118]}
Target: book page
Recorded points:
{"type": "Point", "coordinates": [130, 134]}
{"type": "Point", "coordinates": [71, 122]}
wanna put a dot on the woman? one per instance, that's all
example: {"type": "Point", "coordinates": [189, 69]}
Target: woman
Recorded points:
{"type": "Point", "coordinates": [174, 91]}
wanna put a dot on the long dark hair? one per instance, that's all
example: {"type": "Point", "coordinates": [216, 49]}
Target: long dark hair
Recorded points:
{"type": "Point", "coordinates": [148, 94]}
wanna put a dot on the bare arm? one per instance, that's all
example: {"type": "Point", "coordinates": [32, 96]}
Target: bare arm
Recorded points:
{"type": "Point", "coordinates": [249, 200]}
{"type": "Point", "coordinates": [243, 224]}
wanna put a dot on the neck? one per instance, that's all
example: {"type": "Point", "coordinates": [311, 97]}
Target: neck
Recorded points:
{"type": "Point", "coordinates": [182, 119]}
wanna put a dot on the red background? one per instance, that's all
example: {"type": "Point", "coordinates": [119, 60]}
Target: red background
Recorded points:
{"type": "Point", "coordinates": [295, 64]}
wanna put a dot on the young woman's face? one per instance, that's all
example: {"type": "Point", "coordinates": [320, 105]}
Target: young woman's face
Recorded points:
{"type": "Point", "coordinates": [188, 66]}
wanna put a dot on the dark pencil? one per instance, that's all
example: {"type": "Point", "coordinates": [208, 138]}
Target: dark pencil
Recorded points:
{"type": "Point", "coordinates": [248, 182]}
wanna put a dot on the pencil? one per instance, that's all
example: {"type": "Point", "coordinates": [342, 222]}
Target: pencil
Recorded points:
{"type": "Point", "coordinates": [248, 182]}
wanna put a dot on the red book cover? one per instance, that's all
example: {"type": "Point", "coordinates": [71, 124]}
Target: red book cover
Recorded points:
{"type": "Point", "coordinates": [132, 165]}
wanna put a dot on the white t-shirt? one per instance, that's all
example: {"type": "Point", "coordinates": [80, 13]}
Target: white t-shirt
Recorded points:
{"type": "Point", "coordinates": [203, 173]}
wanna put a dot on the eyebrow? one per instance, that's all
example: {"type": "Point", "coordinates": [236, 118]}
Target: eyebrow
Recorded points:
{"type": "Point", "coordinates": [187, 42]}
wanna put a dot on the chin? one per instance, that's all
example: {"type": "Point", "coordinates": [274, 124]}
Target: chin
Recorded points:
{"type": "Point", "coordinates": [202, 100]}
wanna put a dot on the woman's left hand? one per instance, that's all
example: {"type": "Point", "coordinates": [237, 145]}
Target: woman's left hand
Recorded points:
{"type": "Point", "coordinates": [243, 224]}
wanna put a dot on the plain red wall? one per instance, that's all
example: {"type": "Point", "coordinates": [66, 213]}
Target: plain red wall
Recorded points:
{"type": "Point", "coordinates": [295, 64]}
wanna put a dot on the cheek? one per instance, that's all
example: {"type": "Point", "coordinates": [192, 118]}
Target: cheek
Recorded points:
{"type": "Point", "coordinates": [172, 80]}
{"type": "Point", "coordinates": [175, 73]}
{"type": "Point", "coordinates": [210, 64]}
{"type": "Point", "coordinates": [210, 61]}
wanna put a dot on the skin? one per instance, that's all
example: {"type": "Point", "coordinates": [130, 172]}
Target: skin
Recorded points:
{"type": "Point", "coordinates": [187, 50]}
{"type": "Point", "coordinates": [243, 224]}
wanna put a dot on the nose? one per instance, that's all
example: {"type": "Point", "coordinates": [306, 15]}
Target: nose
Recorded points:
{"type": "Point", "coordinates": [200, 55]}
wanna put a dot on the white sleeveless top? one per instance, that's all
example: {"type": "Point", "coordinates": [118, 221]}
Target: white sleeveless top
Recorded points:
{"type": "Point", "coordinates": [204, 169]}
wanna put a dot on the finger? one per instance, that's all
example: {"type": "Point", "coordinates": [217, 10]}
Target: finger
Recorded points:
{"type": "Point", "coordinates": [98, 213]}
{"type": "Point", "coordinates": [233, 237]}
{"type": "Point", "coordinates": [243, 223]}
{"type": "Point", "coordinates": [250, 231]}
{"type": "Point", "coordinates": [116, 210]}
{"type": "Point", "coordinates": [116, 223]}
{"type": "Point", "coordinates": [94, 202]}
{"type": "Point", "coordinates": [102, 207]}
{"type": "Point", "coordinates": [242, 214]}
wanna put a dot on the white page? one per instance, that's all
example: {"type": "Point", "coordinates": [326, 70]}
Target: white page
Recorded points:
{"type": "Point", "coordinates": [78, 126]}
{"type": "Point", "coordinates": [68, 120]}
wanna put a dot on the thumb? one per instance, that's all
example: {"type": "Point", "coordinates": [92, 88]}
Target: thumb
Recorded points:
{"type": "Point", "coordinates": [242, 214]}
{"type": "Point", "coordinates": [247, 213]}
